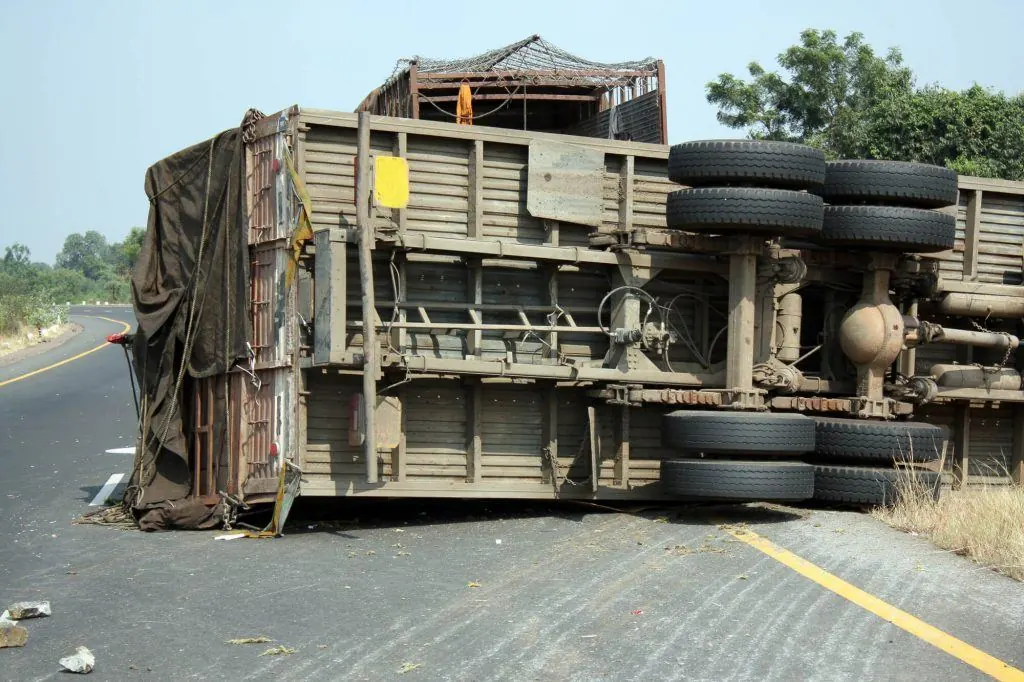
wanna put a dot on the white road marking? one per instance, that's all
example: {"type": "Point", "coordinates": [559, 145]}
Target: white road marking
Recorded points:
{"type": "Point", "coordinates": [106, 490]}
{"type": "Point", "coordinates": [121, 451]}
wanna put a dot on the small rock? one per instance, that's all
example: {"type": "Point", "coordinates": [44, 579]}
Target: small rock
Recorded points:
{"type": "Point", "coordinates": [12, 635]}
{"type": "Point", "coordinates": [82, 661]}
{"type": "Point", "coordinates": [28, 609]}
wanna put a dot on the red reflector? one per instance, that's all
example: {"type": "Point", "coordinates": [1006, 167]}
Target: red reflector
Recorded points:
{"type": "Point", "coordinates": [273, 449]}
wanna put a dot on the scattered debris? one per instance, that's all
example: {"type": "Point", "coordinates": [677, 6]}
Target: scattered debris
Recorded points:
{"type": "Point", "coordinates": [81, 662]}
{"type": "Point", "coordinates": [409, 667]}
{"type": "Point", "coordinates": [587, 636]}
{"type": "Point", "coordinates": [404, 554]}
{"type": "Point", "coordinates": [498, 541]}
{"type": "Point", "coordinates": [229, 536]}
{"type": "Point", "coordinates": [370, 552]}
{"type": "Point", "coordinates": [919, 567]}
{"type": "Point", "coordinates": [6, 620]}
{"type": "Point", "coordinates": [473, 583]}
{"type": "Point", "coordinates": [321, 646]}
{"type": "Point", "coordinates": [259, 639]}
{"type": "Point", "coordinates": [12, 635]}
{"type": "Point", "coordinates": [742, 577]}
{"type": "Point", "coordinates": [637, 612]}
{"type": "Point", "coordinates": [28, 609]}
{"type": "Point", "coordinates": [279, 650]}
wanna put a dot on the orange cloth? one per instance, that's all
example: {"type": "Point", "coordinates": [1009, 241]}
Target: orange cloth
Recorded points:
{"type": "Point", "coordinates": [464, 106]}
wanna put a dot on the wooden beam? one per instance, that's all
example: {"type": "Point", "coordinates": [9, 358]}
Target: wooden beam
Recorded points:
{"type": "Point", "coordinates": [414, 90]}
{"type": "Point", "coordinates": [399, 456]}
{"type": "Point", "coordinates": [474, 449]}
{"type": "Point", "coordinates": [622, 449]}
{"type": "Point", "coordinates": [474, 340]}
{"type": "Point", "coordinates": [366, 244]}
{"type": "Point", "coordinates": [475, 226]}
{"type": "Point", "coordinates": [1017, 449]}
{"type": "Point", "coordinates": [626, 174]}
{"type": "Point", "coordinates": [962, 444]}
{"type": "Point", "coordinates": [550, 434]}
{"type": "Point", "coordinates": [969, 182]}
{"type": "Point", "coordinates": [661, 102]}
{"type": "Point", "coordinates": [972, 236]}
{"type": "Point", "coordinates": [740, 337]}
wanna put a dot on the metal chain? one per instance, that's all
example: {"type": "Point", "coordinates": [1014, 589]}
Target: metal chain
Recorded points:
{"type": "Point", "coordinates": [1009, 348]}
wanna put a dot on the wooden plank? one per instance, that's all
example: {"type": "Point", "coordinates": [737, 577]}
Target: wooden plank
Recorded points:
{"type": "Point", "coordinates": [969, 182]}
{"type": "Point", "coordinates": [972, 237]}
{"type": "Point", "coordinates": [627, 173]}
{"type": "Point", "coordinates": [475, 225]}
{"type": "Point", "coordinates": [740, 337]}
{"type": "Point", "coordinates": [474, 435]}
{"type": "Point", "coordinates": [661, 101]}
{"type": "Point", "coordinates": [550, 434]}
{"type": "Point", "coordinates": [622, 463]}
{"type": "Point", "coordinates": [366, 244]}
{"type": "Point", "coordinates": [414, 89]}
{"type": "Point", "coordinates": [1017, 449]}
{"type": "Point", "coordinates": [962, 443]}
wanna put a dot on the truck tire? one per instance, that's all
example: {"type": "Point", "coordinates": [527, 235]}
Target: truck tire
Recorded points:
{"type": "Point", "coordinates": [760, 163]}
{"type": "Point", "coordinates": [737, 481]}
{"type": "Point", "coordinates": [739, 210]}
{"type": "Point", "coordinates": [762, 433]}
{"type": "Point", "coordinates": [862, 485]}
{"type": "Point", "coordinates": [888, 228]}
{"type": "Point", "coordinates": [889, 182]}
{"type": "Point", "coordinates": [886, 442]}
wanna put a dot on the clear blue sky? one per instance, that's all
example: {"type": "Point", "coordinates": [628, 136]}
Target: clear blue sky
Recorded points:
{"type": "Point", "coordinates": [94, 91]}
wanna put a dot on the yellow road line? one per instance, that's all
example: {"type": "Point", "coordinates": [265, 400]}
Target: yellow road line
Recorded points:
{"type": "Point", "coordinates": [127, 327]}
{"type": "Point", "coordinates": [987, 664]}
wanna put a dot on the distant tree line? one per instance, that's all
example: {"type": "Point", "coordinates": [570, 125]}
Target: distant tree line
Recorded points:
{"type": "Point", "coordinates": [844, 98]}
{"type": "Point", "coordinates": [87, 268]}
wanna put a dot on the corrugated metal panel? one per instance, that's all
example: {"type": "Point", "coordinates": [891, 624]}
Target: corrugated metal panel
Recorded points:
{"type": "Point", "coordinates": [639, 120]}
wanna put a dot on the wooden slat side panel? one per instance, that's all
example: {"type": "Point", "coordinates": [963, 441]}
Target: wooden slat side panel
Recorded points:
{"type": "Point", "coordinates": [1001, 248]}
{"type": "Point", "coordinates": [650, 190]}
{"type": "Point", "coordinates": [436, 415]}
{"type": "Point", "coordinates": [990, 441]}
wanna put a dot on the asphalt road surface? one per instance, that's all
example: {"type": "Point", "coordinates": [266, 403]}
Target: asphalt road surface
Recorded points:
{"type": "Point", "coordinates": [456, 591]}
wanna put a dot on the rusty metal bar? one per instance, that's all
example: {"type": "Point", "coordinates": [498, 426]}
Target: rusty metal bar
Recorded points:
{"type": "Point", "coordinates": [515, 97]}
{"type": "Point", "coordinates": [366, 244]}
{"type": "Point", "coordinates": [567, 74]}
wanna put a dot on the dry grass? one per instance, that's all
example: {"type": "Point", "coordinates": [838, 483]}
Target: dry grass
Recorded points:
{"type": "Point", "coordinates": [984, 523]}
{"type": "Point", "coordinates": [27, 336]}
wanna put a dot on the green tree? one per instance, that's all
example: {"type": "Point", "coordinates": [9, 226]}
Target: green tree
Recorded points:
{"type": "Point", "coordinates": [87, 253]}
{"type": "Point", "coordinates": [126, 253]}
{"type": "Point", "coordinates": [975, 132]}
{"type": "Point", "coordinates": [852, 103]}
{"type": "Point", "coordinates": [824, 99]}
{"type": "Point", "coordinates": [17, 256]}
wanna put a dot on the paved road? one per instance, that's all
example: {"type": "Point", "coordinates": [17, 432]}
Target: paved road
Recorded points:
{"type": "Point", "coordinates": [365, 590]}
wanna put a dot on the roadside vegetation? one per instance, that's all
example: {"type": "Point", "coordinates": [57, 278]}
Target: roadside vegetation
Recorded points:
{"type": "Point", "coordinates": [839, 95]}
{"type": "Point", "coordinates": [984, 523]}
{"type": "Point", "coordinates": [34, 295]}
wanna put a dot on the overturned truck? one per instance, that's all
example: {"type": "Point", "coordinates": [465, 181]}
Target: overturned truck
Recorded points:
{"type": "Point", "coordinates": [397, 307]}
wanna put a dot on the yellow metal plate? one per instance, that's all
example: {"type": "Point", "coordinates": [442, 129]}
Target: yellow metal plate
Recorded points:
{"type": "Point", "coordinates": [391, 182]}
